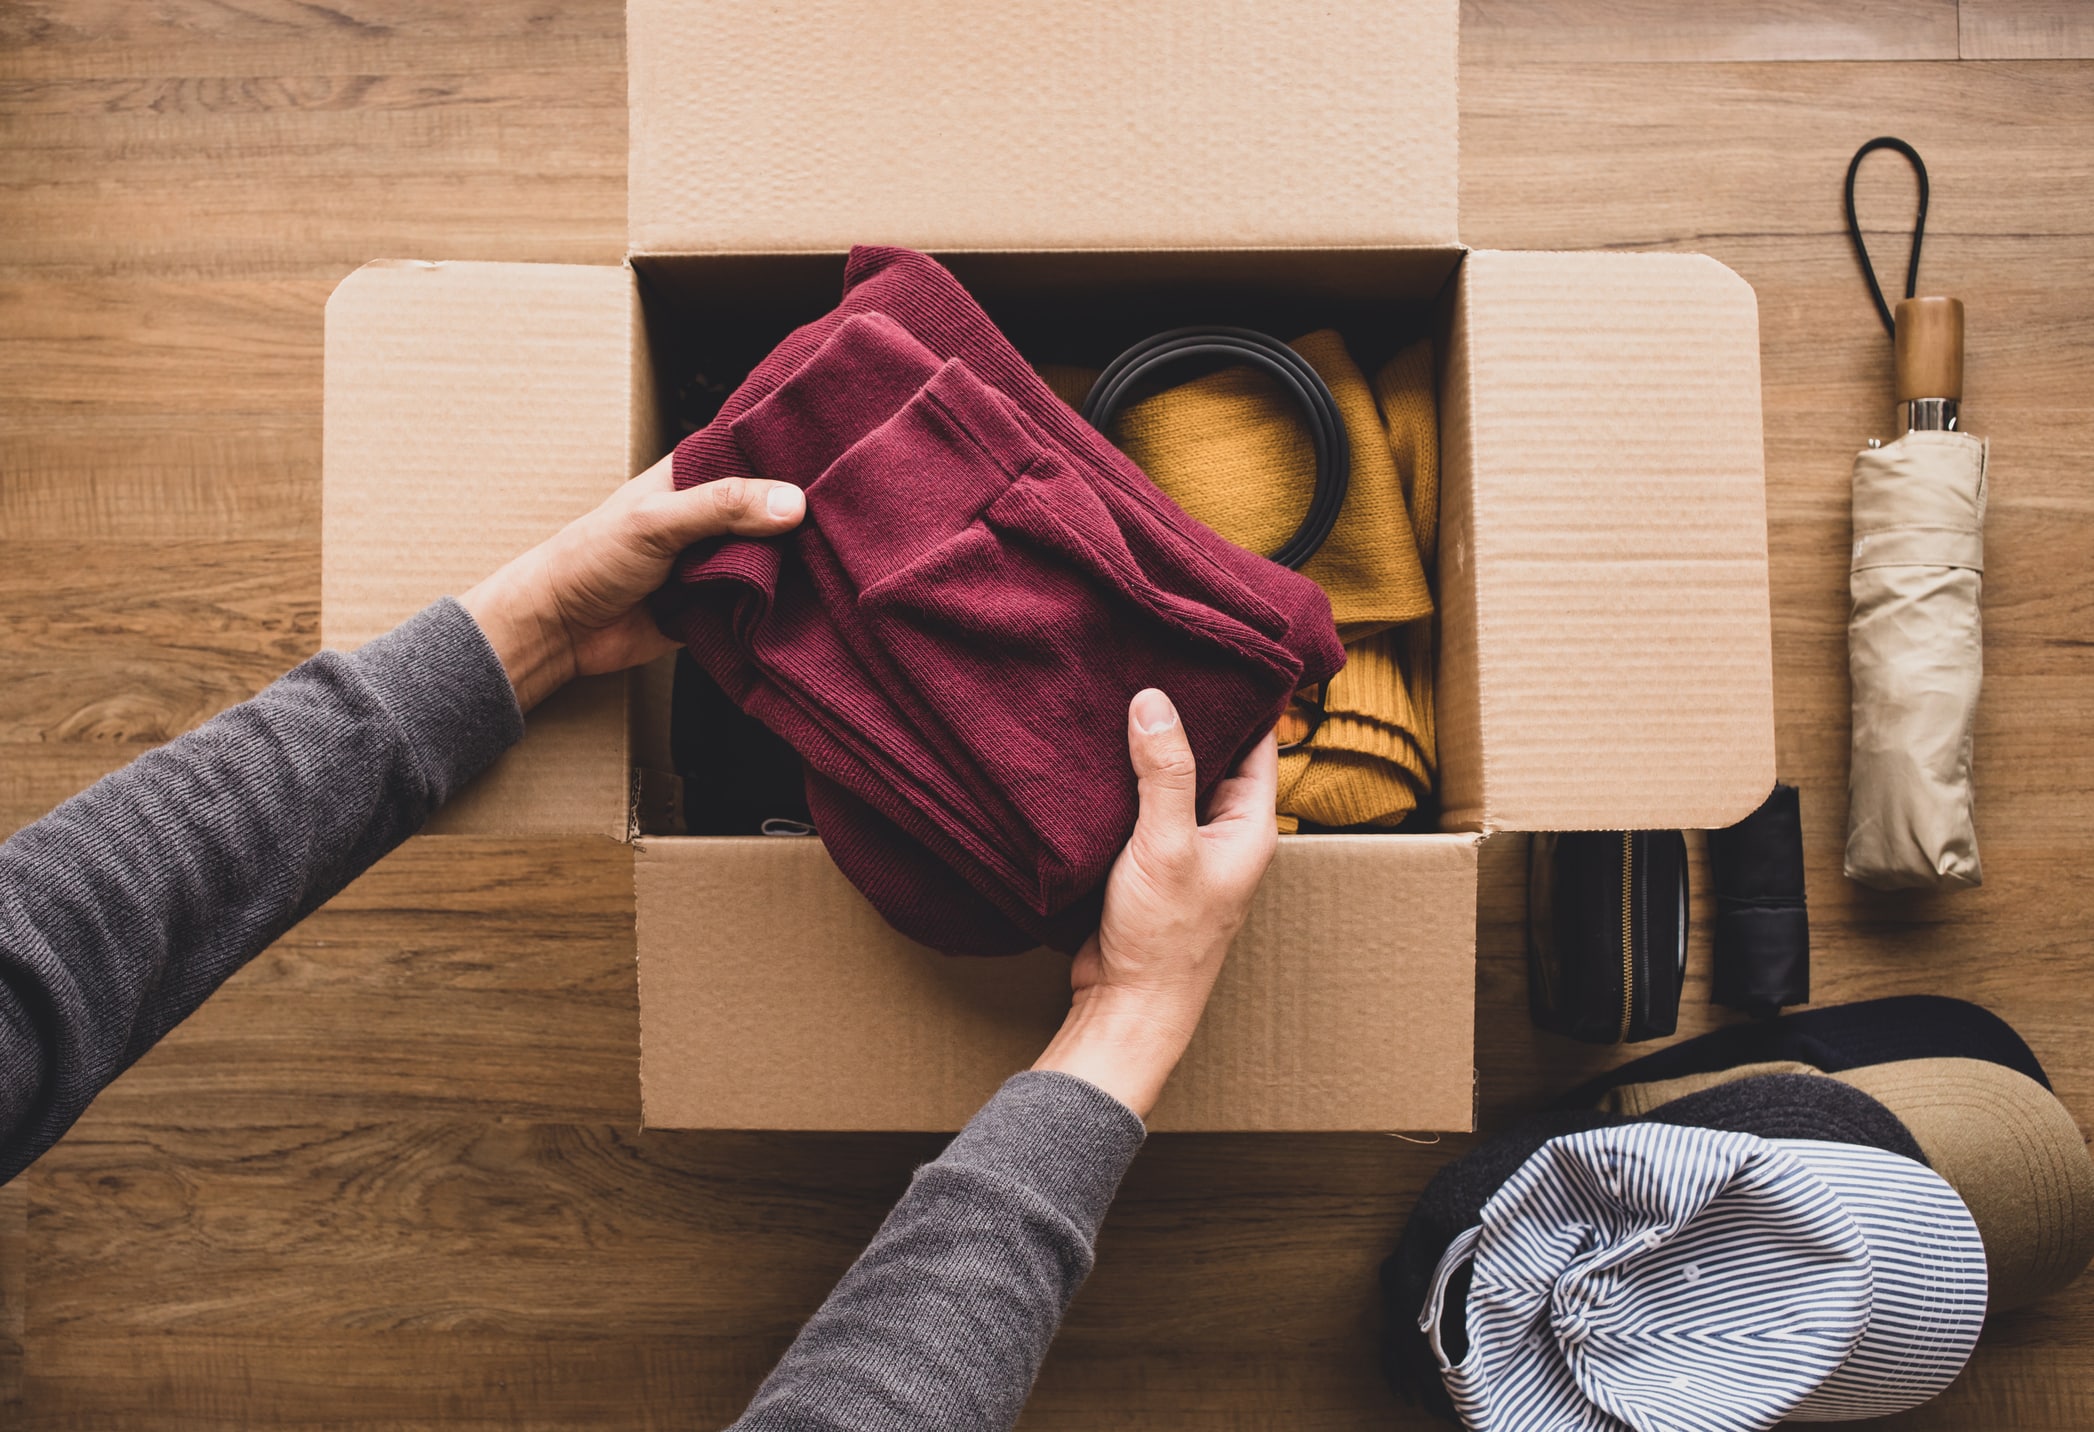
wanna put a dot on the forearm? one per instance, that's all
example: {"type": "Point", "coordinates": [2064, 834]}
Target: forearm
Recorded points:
{"type": "Point", "coordinates": [943, 1321]}
{"type": "Point", "coordinates": [129, 904]}
{"type": "Point", "coordinates": [1127, 1045]}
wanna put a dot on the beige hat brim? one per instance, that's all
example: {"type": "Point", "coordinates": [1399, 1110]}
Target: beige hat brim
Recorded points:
{"type": "Point", "coordinates": [2012, 1152]}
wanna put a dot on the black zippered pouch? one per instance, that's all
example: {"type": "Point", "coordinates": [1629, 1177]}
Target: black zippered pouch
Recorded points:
{"type": "Point", "coordinates": [1760, 962]}
{"type": "Point", "coordinates": [1607, 933]}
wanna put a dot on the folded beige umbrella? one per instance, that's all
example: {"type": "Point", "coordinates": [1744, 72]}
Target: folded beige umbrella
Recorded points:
{"type": "Point", "coordinates": [1914, 640]}
{"type": "Point", "coordinates": [1913, 650]}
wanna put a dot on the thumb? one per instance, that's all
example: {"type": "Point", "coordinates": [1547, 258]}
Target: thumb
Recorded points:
{"type": "Point", "coordinates": [746, 506]}
{"type": "Point", "coordinates": [1164, 772]}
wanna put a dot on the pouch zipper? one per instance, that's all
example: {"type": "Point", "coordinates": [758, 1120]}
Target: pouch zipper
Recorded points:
{"type": "Point", "coordinates": [1628, 933]}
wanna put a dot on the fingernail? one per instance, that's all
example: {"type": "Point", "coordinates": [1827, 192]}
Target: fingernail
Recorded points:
{"type": "Point", "coordinates": [784, 501]}
{"type": "Point", "coordinates": [1153, 711]}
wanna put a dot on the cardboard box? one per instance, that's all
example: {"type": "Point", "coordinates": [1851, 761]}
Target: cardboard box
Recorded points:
{"type": "Point", "coordinates": [1093, 175]}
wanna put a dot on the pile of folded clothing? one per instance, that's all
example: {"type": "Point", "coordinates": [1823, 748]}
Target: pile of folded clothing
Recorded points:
{"type": "Point", "coordinates": [951, 637]}
{"type": "Point", "coordinates": [1807, 1218]}
{"type": "Point", "coordinates": [1231, 448]}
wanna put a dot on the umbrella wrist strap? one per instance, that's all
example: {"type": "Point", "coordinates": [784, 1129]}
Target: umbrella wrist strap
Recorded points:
{"type": "Point", "coordinates": [1919, 225]}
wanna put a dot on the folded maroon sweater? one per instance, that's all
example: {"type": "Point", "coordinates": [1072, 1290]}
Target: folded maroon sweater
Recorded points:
{"type": "Point", "coordinates": [951, 637]}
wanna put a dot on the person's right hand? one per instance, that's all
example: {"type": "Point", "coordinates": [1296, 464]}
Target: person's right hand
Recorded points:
{"type": "Point", "coordinates": [1175, 899]}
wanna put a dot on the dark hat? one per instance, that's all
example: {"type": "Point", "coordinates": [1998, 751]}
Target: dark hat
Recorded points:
{"type": "Point", "coordinates": [1834, 1039]}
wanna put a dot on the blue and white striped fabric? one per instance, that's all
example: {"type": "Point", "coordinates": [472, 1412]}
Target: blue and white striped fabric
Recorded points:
{"type": "Point", "coordinates": [1671, 1279]}
{"type": "Point", "coordinates": [1929, 1262]}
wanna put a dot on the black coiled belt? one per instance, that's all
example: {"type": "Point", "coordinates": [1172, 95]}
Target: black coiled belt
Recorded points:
{"type": "Point", "coordinates": [1124, 374]}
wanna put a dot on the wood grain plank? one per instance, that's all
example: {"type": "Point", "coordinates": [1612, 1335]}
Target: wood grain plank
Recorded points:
{"type": "Point", "coordinates": [155, 477]}
{"type": "Point", "coordinates": [300, 140]}
{"type": "Point", "coordinates": [324, 141]}
{"type": "Point", "coordinates": [85, 659]}
{"type": "Point", "coordinates": [326, 228]}
{"type": "Point", "coordinates": [107, 347]}
{"type": "Point", "coordinates": [14, 1293]}
{"type": "Point", "coordinates": [83, 105]}
{"type": "Point", "coordinates": [1584, 31]}
{"type": "Point", "coordinates": [388, 1226]}
{"type": "Point", "coordinates": [105, 38]}
{"type": "Point", "coordinates": [1696, 156]}
{"type": "Point", "coordinates": [353, 1377]}
{"type": "Point", "coordinates": [460, 978]}
{"type": "Point", "coordinates": [2026, 30]}
{"type": "Point", "coordinates": [356, 1379]}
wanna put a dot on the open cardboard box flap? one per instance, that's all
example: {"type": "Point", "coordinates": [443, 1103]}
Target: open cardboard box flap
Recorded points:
{"type": "Point", "coordinates": [1095, 124]}
{"type": "Point", "coordinates": [471, 411]}
{"type": "Point", "coordinates": [1607, 659]}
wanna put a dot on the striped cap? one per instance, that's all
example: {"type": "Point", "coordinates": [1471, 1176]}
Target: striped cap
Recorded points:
{"type": "Point", "coordinates": [1673, 1279]}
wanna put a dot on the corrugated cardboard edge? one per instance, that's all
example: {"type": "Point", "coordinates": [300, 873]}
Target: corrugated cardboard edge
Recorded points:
{"type": "Point", "coordinates": [1091, 125]}
{"type": "Point", "coordinates": [1457, 686]}
{"type": "Point", "coordinates": [773, 997]}
{"type": "Point", "coordinates": [471, 410]}
{"type": "Point", "coordinates": [1349, 1000]}
{"type": "Point", "coordinates": [1607, 656]}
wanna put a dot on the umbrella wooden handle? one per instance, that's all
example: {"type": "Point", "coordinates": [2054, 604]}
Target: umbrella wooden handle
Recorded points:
{"type": "Point", "coordinates": [1930, 348]}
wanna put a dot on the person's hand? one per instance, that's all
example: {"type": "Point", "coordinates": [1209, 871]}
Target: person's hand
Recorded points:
{"type": "Point", "coordinates": [575, 605]}
{"type": "Point", "coordinates": [1175, 899]}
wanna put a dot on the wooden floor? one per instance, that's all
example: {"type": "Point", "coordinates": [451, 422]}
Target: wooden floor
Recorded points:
{"type": "Point", "coordinates": [391, 1176]}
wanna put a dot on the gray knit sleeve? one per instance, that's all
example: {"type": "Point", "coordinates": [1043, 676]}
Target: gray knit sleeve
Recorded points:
{"type": "Point", "coordinates": [942, 1322]}
{"type": "Point", "coordinates": [124, 908]}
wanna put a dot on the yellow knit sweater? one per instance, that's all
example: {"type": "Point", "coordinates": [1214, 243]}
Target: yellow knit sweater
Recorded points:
{"type": "Point", "coordinates": [1231, 449]}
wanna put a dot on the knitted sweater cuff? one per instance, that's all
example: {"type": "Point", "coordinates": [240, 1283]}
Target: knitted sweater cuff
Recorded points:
{"type": "Point", "coordinates": [1062, 1137]}
{"type": "Point", "coordinates": [445, 688]}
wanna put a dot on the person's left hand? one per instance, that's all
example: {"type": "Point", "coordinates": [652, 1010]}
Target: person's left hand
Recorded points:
{"type": "Point", "coordinates": [576, 604]}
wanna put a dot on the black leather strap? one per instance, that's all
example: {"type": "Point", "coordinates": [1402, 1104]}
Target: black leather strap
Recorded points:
{"type": "Point", "coordinates": [1123, 378]}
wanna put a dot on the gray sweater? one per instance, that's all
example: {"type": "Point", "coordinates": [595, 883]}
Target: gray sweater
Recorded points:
{"type": "Point", "coordinates": [122, 910]}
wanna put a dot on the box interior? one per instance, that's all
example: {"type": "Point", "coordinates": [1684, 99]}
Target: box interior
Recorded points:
{"type": "Point", "coordinates": [712, 317]}
{"type": "Point", "coordinates": [1358, 957]}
